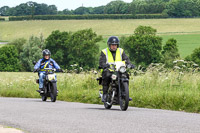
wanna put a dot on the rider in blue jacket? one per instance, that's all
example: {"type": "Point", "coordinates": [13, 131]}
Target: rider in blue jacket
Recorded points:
{"type": "Point", "coordinates": [45, 62]}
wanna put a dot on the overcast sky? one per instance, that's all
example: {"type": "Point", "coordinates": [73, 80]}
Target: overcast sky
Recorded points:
{"type": "Point", "coordinates": [61, 4]}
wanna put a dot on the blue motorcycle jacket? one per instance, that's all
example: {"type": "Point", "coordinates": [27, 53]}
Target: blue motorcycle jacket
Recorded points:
{"type": "Point", "coordinates": [42, 64]}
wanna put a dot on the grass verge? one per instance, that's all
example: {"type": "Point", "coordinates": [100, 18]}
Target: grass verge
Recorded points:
{"type": "Point", "coordinates": [171, 90]}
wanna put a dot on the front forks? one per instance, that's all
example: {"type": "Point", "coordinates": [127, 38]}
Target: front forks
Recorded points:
{"type": "Point", "coordinates": [49, 87]}
{"type": "Point", "coordinates": [112, 99]}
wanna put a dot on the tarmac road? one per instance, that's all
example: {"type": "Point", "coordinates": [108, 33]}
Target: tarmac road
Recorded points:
{"type": "Point", "coordinates": [35, 116]}
{"type": "Point", "coordinates": [3, 43]}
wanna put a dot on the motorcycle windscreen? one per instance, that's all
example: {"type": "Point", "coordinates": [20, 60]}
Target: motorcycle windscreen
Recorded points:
{"type": "Point", "coordinates": [119, 64]}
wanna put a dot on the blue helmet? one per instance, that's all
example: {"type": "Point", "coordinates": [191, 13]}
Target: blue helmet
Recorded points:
{"type": "Point", "coordinates": [46, 52]}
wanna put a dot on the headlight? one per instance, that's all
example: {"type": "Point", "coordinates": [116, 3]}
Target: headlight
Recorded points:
{"type": "Point", "coordinates": [51, 77]}
{"type": "Point", "coordinates": [114, 77]}
{"type": "Point", "coordinates": [122, 69]}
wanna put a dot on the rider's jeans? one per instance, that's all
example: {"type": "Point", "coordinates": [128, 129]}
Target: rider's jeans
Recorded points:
{"type": "Point", "coordinates": [41, 79]}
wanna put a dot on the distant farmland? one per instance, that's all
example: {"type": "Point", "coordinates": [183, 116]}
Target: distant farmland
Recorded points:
{"type": "Point", "coordinates": [186, 31]}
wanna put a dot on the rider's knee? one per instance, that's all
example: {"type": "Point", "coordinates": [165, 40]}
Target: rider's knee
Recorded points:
{"type": "Point", "coordinates": [41, 75]}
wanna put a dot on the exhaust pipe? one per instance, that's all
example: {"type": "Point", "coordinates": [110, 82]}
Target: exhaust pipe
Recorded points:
{"type": "Point", "coordinates": [113, 96]}
{"type": "Point", "coordinates": [100, 94]}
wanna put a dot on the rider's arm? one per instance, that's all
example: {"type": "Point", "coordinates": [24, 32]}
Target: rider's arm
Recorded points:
{"type": "Point", "coordinates": [56, 66]}
{"type": "Point", "coordinates": [102, 60]}
{"type": "Point", "coordinates": [125, 58]}
{"type": "Point", "coordinates": [37, 65]}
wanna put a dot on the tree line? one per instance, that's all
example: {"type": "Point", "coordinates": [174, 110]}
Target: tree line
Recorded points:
{"type": "Point", "coordinates": [29, 8]}
{"type": "Point", "coordinates": [87, 16]}
{"type": "Point", "coordinates": [172, 8]}
{"type": "Point", "coordinates": [80, 50]}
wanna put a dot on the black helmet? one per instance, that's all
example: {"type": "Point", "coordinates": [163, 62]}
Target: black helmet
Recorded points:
{"type": "Point", "coordinates": [113, 40]}
{"type": "Point", "coordinates": [46, 52]}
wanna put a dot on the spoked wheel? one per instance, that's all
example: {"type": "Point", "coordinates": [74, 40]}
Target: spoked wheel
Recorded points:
{"type": "Point", "coordinates": [44, 98]}
{"type": "Point", "coordinates": [53, 93]}
{"type": "Point", "coordinates": [124, 100]}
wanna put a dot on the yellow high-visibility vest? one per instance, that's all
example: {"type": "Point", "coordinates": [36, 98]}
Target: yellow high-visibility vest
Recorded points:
{"type": "Point", "coordinates": [45, 66]}
{"type": "Point", "coordinates": [109, 57]}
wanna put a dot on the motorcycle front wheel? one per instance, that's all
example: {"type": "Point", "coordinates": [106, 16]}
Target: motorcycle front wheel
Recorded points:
{"type": "Point", "coordinates": [53, 93]}
{"type": "Point", "coordinates": [44, 98]}
{"type": "Point", "coordinates": [124, 100]}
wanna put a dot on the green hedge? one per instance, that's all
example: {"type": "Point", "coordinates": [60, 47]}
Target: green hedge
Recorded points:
{"type": "Point", "coordinates": [9, 59]}
{"type": "Point", "coordinates": [94, 16]}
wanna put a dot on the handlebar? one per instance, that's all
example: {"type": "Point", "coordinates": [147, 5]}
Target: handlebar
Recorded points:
{"type": "Point", "coordinates": [113, 66]}
{"type": "Point", "coordinates": [48, 69]}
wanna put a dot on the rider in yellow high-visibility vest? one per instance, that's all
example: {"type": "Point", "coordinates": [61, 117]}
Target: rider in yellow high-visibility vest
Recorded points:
{"type": "Point", "coordinates": [110, 55]}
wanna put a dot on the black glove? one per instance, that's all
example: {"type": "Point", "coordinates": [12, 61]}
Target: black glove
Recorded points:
{"type": "Point", "coordinates": [130, 66]}
{"type": "Point", "coordinates": [60, 70]}
{"type": "Point", "coordinates": [106, 66]}
{"type": "Point", "coordinates": [36, 70]}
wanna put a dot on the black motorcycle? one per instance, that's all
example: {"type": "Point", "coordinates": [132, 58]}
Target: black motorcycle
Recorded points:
{"type": "Point", "coordinates": [50, 86]}
{"type": "Point", "coordinates": [118, 92]}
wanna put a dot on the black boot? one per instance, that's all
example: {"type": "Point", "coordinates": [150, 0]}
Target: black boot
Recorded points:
{"type": "Point", "coordinates": [130, 99]}
{"type": "Point", "coordinates": [104, 97]}
{"type": "Point", "coordinates": [40, 90]}
{"type": "Point", "coordinates": [105, 91]}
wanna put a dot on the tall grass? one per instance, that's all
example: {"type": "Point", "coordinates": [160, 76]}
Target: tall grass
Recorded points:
{"type": "Point", "coordinates": [171, 90]}
{"type": "Point", "coordinates": [162, 90]}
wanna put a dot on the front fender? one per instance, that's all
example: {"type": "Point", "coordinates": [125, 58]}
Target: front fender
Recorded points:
{"type": "Point", "coordinates": [53, 81]}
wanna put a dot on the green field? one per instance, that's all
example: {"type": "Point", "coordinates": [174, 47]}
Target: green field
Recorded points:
{"type": "Point", "coordinates": [12, 30]}
{"type": "Point", "coordinates": [186, 42]}
{"type": "Point", "coordinates": [186, 31]}
{"type": "Point", "coordinates": [161, 90]}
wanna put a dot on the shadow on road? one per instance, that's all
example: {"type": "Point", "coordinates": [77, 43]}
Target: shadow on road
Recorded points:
{"type": "Point", "coordinates": [40, 101]}
{"type": "Point", "coordinates": [104, 109]}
